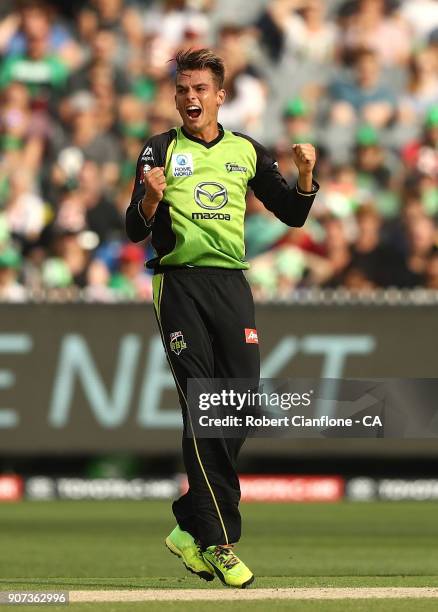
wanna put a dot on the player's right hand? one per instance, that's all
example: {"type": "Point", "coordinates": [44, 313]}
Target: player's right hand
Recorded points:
{"type": "Point", "coordinates": [155, 184]}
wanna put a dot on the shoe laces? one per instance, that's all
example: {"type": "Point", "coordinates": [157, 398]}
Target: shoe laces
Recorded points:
{"type": "Point", "coordinates": [225, 556]}
{"type": "Point", "coordinates": [198, 547]}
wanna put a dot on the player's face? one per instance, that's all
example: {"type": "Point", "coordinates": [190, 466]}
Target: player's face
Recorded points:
{"type": "Point", "coordinates": [198, 99]}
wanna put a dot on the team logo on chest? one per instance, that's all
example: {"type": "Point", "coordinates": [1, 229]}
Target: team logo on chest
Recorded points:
{"type": "Point", "coordinates": [182, 164]}
{"type": "Point", "coordinates": [231, 167]}
{"type": "Point", "coordinates": [177, 342]}
{"type": "Point", "coordinates": [210, 195]}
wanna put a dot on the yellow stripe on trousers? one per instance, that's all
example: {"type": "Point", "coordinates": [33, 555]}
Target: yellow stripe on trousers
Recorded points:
{"type": "Point", "coordinates": [157, 285]}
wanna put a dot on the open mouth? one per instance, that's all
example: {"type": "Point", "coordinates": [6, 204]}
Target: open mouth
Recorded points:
{"type": "Point", "coordinates": [193, 111]}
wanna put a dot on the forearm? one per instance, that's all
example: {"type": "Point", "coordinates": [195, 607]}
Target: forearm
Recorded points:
{"type": "Point", "coordinates": [136, 223]}
{"type": "Point", "coordinates": [293, 207]}
{"type": "Point", "coordinates": [145, 196]}
{"type": "Point", "coordinates": [148, 207]}
{"type": "Point", "coordinates": [290, 204]}
{"type": "Point", "coordinates": [305, 181]}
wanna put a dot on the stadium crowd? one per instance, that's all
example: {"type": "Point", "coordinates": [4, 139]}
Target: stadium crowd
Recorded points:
{"type": "Point", "coordinates": [81, 89]}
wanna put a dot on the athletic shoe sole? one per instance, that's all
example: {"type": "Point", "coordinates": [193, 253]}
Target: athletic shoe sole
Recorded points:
{"type": "Point", "coordinates": [175, 551]}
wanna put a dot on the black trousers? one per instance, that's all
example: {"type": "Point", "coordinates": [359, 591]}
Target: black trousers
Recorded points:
{"type": "Point", "coordinates": [203, 315]}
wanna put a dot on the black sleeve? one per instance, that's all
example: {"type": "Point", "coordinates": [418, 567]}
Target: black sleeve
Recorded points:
{"type": "Point", "coordinates": [153, 154]}
{"type": "Point", "coordinates": [289, 204]}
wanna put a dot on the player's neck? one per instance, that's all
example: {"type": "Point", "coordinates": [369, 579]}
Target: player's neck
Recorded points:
{"type": "Point", "coordinates": [208, 134]}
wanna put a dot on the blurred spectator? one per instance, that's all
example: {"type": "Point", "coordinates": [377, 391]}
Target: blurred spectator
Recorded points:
{"type": "Point", "coordinates": [368, 252]}
{"type": "Point", "coordinates": [394, 231]}
{"type": "Point", "coordinates": [301, 29]}
{"type": "Point", "coordinates": [432, 270]}
{"type": "Point", "coordinates": [342, 194]}
{"type": "Point", "coordinates": [88, 209]}
{"type": "Point", "coordinates": [422, 16]}
{"type": "Point", "coordinates": [110, 13]}
{"type": "Point", "coordinates": [422, 155]}
{"type": "Point", "coordinates": [369, 158]}
{"type": "Point", "coordinates": [357, 281]}
{"type": "Point", "coordinates": [89, 139]}
{"type": "Point", "coordinates": [422, 90]}
{"type": "Point", "coordinates": [121, 18]}
{"type": "Point", "coordinates": [35, 20]}
{"type": "Point", "coordinates": [10, 289]}
{"type": "Point", "coordinates": [363, 97]}
{"type": "Point", "coordinates": [371, 26]}
{"type": "Point", "coordinates": [23, 132]}
{"type": "Point", "coordinates": [377, 170]}
{"type": "Point", "coordinates": [270, 27]}
{"type": "Point", "coordinates": [276, 273]}
{"type": "Point", "coordinates": [24, 211]}
{"type": "Point", "coordinates": [298, 121]}
{"type": "Point", "coordinates": [37, 66]}
{"type": "Point", "coordinates": [310, 35]}
{"type": "Point", "coordinates": [103, 57]}
{"type": "Point", "coordinates": [246, 94]}
{"type": "Point", "coordinates": [422, 240]}
{"type": "Point", "coordinates": [337, 250]}
{"type": "Point", "coordinates": [174, 20]}
{"type": "Point", "coordinates": [131, 281]}
{"type": "Point", "coordinates": [262, 230]}
{"type": "Point", "coordinates": [98, 278]}
{"type": "Point", "coordinates": [79, 97]}
{"type": "Point", "coordinates": [69, 260]}
{"type": "Point", "coordinates": [100, 213]}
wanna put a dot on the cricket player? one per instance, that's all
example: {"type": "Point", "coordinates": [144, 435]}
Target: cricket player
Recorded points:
{"type": "Point", "coordinates": [190, 194]}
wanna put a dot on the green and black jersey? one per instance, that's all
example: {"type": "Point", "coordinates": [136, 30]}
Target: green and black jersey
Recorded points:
{"type": "Point", "coordinates": [200, 220]}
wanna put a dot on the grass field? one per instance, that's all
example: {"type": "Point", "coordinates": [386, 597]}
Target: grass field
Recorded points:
{"type": "Point", "coordinates": [119, 545]}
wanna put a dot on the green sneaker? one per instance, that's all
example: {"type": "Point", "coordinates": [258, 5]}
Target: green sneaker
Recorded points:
{"type": "Point", "coordinates": [183, 545]}
{"type": "Point", "coordinates": [228, 567]}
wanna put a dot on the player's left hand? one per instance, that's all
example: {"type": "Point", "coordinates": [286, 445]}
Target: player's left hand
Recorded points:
{"type": "Point", "coordinates": [304, 156]}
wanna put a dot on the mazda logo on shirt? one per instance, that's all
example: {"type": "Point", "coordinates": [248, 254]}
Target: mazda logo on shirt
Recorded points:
{"type": "Point", "coordinates": [210, 195]}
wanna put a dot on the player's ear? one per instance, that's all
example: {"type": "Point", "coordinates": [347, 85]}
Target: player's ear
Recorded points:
{"type": "Point", "coordinates": [221, 95]}
{"type": "Point", "coordinates": [176, 103]}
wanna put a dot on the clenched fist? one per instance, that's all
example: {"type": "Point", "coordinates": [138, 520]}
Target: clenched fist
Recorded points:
{"type": "Point", "coordinates": [304, 156]}
{"type": "Point", "coordinates": [155, 184]}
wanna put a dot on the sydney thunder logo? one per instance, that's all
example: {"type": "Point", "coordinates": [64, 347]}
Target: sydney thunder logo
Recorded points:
{"type": "Point", "coordinates": [177, 342]}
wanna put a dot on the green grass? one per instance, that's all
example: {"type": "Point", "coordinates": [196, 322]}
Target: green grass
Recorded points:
{"type": "Point", "coordinates": [348, 605]}
{"type": "Point", "coordinates": [119, 545]}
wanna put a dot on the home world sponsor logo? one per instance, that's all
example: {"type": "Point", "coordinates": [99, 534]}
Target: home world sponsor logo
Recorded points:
{"type": "Point", "coordinates": [177, 342]}
{"type": "Point", "coordinates": [182, 164]}
{"type": "Point", "coordinates": [231, 167]}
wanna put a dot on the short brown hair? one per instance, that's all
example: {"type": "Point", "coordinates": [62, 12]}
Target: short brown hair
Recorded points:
{"type": "Point", "coordinates": [201, 59]}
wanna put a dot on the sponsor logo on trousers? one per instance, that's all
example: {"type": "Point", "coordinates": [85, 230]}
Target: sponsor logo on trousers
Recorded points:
{"type": "Point", "coordinates": [177, 342]}
{"type": "Point", "coordinates": [251, 336]}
